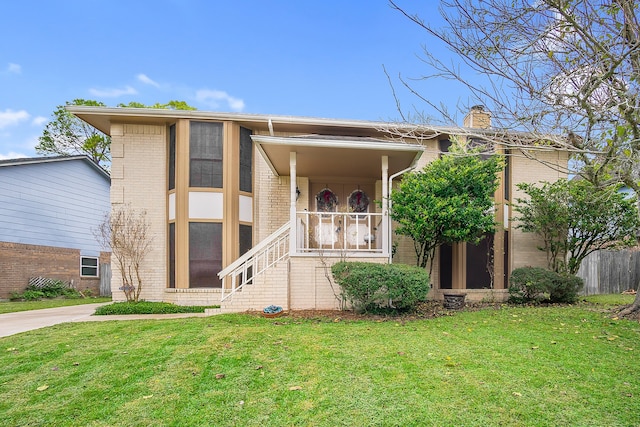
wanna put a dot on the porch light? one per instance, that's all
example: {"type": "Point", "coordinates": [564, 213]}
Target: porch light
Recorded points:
{"type": "Point", "coordinates": [297, 193]}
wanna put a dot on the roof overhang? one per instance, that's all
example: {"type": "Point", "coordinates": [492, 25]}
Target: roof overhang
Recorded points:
{"type": "Point", "coordinates": [320, 157]}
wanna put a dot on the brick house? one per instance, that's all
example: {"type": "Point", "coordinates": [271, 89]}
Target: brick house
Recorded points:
{"type": "Point", "coordinates": [251, 210]}
{"type": "Point", "coordinates": [48, 209]}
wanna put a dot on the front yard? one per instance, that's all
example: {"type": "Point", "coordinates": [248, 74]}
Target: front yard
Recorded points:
{"type": "Point", "coordinates": [498, 366]}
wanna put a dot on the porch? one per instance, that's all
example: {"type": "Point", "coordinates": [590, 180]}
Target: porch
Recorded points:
{"type": "Point", "coordinates": [337, 218]}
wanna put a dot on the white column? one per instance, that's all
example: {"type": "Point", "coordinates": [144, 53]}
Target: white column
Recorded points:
{"type": "Point", "coordinates": [293, 238]}
{"type": "Point", "coordinates": [386, 220]}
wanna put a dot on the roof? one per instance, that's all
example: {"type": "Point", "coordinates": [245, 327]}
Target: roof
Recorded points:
{"type": "Point", "coordinates": [52, 159]}
{"type": "Point", "coordinates": [102, 118]}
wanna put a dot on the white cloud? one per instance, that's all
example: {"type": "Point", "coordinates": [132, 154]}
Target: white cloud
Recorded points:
{"type": "Point", "coordinates": [9, 117]}
{"type": "Point", "coordinates": [113, 93]}
{"type": "Point", "coordinates": [39, 121]}
{"type": "Point", "coordinates": [146, 80]}
{"type": "Point", "coordinates": [214, 98]}
{"type": "Point", "coordinates": [14, 68]}
{"type": "Point", "coordinates": [12, 155]}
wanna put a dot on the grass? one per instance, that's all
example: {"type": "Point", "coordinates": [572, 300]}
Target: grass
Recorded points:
{"type": "Point", "coordinates": [535, 366]}
{"type": "Point", "coordinates": [14, 306]}
{"type": "Point", "coordinates": [609, 300]}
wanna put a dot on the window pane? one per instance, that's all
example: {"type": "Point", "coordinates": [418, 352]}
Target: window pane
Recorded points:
{"type": "Point", "coordinates": [172, 157]}
{"type": "Point", "coordinates": [172, 255]}
{"type": "Point", "coordinates": [205, 254]}
{"type": "Point", "coordinates": [246, 159]}
{"type": "Point", "coordinates": [245, 239]}
{"type": "Point", "coordinates": [89, 266]}
{"type": "Point", "coordinates": [205, 151]}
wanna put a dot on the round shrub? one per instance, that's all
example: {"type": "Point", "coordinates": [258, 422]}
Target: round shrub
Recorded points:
{"type": "Point", "coordinates": [531, 284]}
{"type": "Point", "coordinates": [368, 286]}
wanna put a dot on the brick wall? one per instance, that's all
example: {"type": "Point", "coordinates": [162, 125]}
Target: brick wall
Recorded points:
{"type": "Point", "coordinates": [142, 163]}
{"type": "Point", "coordinates": [19, 262]}
{"type": "Point", "coordinates": [529, 167]}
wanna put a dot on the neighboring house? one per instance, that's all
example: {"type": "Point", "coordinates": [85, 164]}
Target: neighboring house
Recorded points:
{"type": "Point", "coordinates": [49, 207]}
{"type": "Point", "coordinates": [273, 201]}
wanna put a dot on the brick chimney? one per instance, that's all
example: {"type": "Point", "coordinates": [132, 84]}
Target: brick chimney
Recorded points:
{"type": "Point", "coordinates": [478, 118]}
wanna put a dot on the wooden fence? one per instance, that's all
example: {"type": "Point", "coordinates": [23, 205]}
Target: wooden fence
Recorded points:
{"type": "Point", "coordinates": [610, 272]}
{"type": "Point", "coordinates": [105, 280]}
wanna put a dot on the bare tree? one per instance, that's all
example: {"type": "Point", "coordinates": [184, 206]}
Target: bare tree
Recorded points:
{"type": "Point", "coordinates": [126, 232]}
{"type": "Point", "coordinates": [560, 72]}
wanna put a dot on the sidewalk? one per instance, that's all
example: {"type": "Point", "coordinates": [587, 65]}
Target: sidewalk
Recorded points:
{"type": "Point", "coordinates": [22, 321]}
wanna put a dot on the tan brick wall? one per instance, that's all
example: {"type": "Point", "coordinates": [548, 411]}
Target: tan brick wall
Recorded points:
{"type": "Point", "coordinates": [139, 158]}
{"type": "Point", "coordinates": [530, 168]}
{"type": "Point", "coordinates": [310, 287]}
{"type": "Point", "coordinates": [19, 262]}
{"type": "Point", "coordinates": [269, 288]}
{"type": "Point", "coordinates": [192, 296]}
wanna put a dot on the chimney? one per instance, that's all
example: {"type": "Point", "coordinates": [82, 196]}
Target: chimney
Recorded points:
{"type": "Point", "coordinates": [478, 118]}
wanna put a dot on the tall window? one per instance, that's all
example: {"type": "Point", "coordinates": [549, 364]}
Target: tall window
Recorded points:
{"type": "Point", "coordinates": [172, 255]}
{"type": "Point", "coordinates": [205, 152]}
{"type": "Point", "coordinates": [172, 157]}
{"type": "Point", "coordinates": [246, 160]}
{"type": "Point", "coordinates": [205, 254]}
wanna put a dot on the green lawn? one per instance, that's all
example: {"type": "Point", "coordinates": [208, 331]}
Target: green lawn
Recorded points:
{"type": "Point", "coordinates": [546, 366]}
{"type": "Point", "coordinates": [11, 306]}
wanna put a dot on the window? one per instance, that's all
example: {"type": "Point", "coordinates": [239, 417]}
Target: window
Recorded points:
{"type": "Point", "coordinates": [89, 266]}
{"type": "Point", "coordinates": [172, 157]}
{"type": "Point", "coordinates": [246, 159]}
{"type": "Point", "coordinates": [172, 255]}
{"type": "Point", "coordinates": [205, 152]}
{"type": "Point", "coordinates": [205, 254]}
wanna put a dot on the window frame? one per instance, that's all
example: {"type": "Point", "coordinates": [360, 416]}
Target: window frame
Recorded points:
{"type": "Point", "coordinates": [83, 266]}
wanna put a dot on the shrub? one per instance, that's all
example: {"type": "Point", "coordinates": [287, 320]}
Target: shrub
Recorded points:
{"type": "Point", "coordinates": [529, 284]}
{"type": "Point", "coordinates": [31, 295]}
{"type": "Point", "coordinates": [565, 288]}
{"type": "Point", "coordinates": [369, 286]}
{"type": "Point", "coordinates": [147, 307]}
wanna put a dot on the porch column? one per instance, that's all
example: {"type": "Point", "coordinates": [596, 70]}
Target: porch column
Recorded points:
{"type": "Point", "coordinates": [386, 220]}
{"type": "Point", "coordinates": [293, 238]}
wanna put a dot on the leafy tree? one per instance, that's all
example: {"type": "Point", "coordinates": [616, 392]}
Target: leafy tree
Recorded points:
{"type": "Point", "coordinates": [566, 71]}
{"type": "Point", "coordinates": [67, 135]}
{"type": "Point", "coordinates": [449, 201]}
{"type": "Point", "coordinates": [171, 105]}
{"type": "Point", "coordinates": [575, 218]}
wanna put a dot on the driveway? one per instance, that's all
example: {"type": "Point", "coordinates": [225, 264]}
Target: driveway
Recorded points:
{"type": "Point", "coordinates": [22, 321]}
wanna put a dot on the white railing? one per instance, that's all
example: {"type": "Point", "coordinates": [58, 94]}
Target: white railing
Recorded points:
{"type": "Point", "coordinates": [338, 231]}
{"type": "Point", "coordinates": [265, 254]}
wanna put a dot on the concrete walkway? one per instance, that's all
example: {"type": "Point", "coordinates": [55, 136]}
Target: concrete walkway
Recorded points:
{"type": "Point", "coordinates": [22, 321]}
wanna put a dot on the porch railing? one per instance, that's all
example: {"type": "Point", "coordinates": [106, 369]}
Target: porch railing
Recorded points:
{"type": "Point", "coordinates": [261, 257]}
{"type": "Point", "coordinates": [338, 231]}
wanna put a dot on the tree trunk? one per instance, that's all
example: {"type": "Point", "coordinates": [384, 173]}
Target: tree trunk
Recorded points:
{"type": "Point", "coordinates": [634, 309]}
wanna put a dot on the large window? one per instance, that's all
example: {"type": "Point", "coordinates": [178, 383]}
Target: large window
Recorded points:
{"type": "Point", "coordinates": [89, 266]}
{"type": "Point", "coordinates": [205, 152]}
{"type": "Point", "coordinates": [205, 254]}
{"type": "Point", "coordinates": [172, 255]}
{"type": "Point", "coordinates": [172, 157]}
{"type": "Point", "coordinates": [246, 160]}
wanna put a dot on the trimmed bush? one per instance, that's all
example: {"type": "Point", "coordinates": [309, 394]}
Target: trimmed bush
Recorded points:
{"type": "Point", "coordinates": [535, 284]}
{"type": "Point", "coordinates": [147, 307]}
{"type": "Point", "coordinates": [370, 286]}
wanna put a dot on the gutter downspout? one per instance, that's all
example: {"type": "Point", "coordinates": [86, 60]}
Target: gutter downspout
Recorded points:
{"type": "Point", "coordinates": [395, 175]}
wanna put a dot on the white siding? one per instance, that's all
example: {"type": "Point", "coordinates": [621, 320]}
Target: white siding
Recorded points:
{"type": "Point", "coordinates": [53, 204]}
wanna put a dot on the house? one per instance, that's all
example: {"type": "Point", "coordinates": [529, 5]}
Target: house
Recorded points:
{"type": "Point", "coordinates": [252, 210]}
{"type": "Point", "coordinates": [49, 207]}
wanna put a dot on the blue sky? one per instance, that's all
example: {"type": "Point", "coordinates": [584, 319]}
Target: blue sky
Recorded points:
{"type": "Point", "coordinates": [303, 58]}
